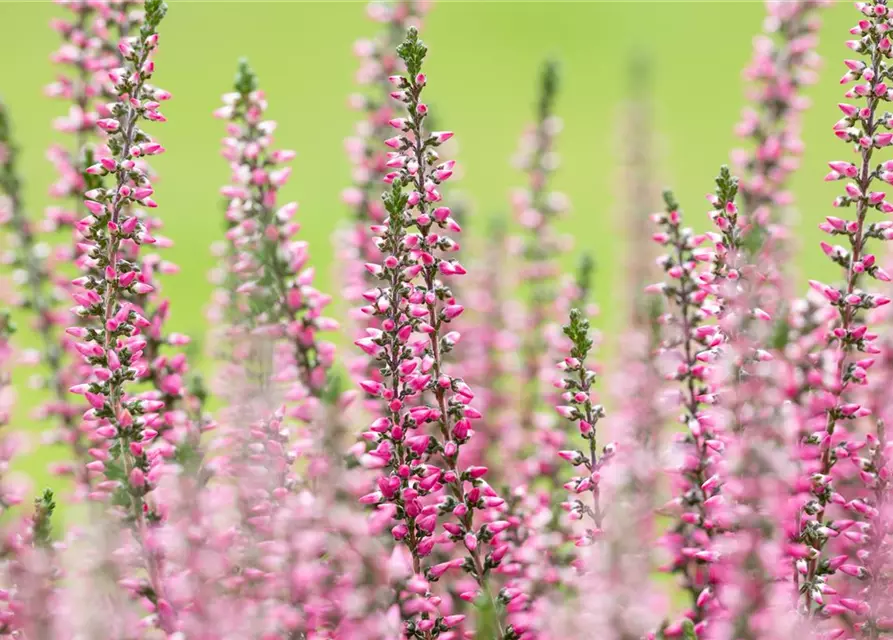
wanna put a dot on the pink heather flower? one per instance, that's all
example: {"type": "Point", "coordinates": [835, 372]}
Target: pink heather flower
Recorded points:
{"type": "Point", "coordinates": [82, 58]}
{"type": "Point", "coordinates": [535, 209]}
{"type": "Point", "coordinates": [577, 383]}
{"type": "Point", "coordinates": [823, 508]}
{"type": "Point", "coordinates": [690, 344]}
{"type": "Point", "coordinates": [369, 161]}
{"type": "Point", "coordinates": [784, 62]}
{"type": "Point", "coordinates": [267, 281]}
{"type": "Point", "coordinates": [117, 322]}
{"type": "Point", "coordinates": [413, 309]}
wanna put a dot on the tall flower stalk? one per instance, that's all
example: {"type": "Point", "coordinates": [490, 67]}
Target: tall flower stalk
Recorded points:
{"type": "Point", "coordinates": [87, 53]}
{"type": "Point", "coordinates": [414, 299]}
{"type": "Point", "coordinates": [577, 384]}
{"type": "Point", "coordinates": [536, 209]}
{"type": "Point", "coordinates": [690, 344]}
{"type": "Point", "coordinates": [850, 344]}
{"type": "Point", "coordinates": [378, 62]}
{"type": "Point", "coordinates": [784, 62]}
{"type": "Point", "coordinates": [111, 340]}
{"type": "Point", "coordinates": [35, 272]}
{"type": "Point", "coordinates": [273, 292]}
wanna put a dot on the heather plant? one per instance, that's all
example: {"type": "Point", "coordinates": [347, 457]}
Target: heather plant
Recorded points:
{"type": "Point", "coordinates": [470, 484]}
{"type": "Point", "coordinates": [535, 209]}
{"type": "Point", "coordinates": [86, 56]}
{"type": "Point", "coordinates": [378, 62]}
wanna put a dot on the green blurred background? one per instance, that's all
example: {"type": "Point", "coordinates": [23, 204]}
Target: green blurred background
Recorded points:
{"type": "Point", "coordinates": [483, 64]}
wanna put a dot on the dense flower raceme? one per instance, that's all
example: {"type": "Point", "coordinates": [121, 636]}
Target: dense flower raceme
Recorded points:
{"type": "Point", "coordinates": [690, 344]}
{"type": "Point", "coordinates": [784, 62]}
{"type": "Point", "coordinates": [422, 480]}
{"type": "Point", "coordinates": [535, 209]}
{"type": "Point", "coordinates": [356, 244]}
{"type": "Point", "coordinates": [577, 383]}
{"type": "Point", "coordinates": [751, 573]}
{"type": "Point", "coordinates": [88, 52]}
{"type": "Point", "coordinates": [834, 522]}
{"type": "Point", "coordinates": [270, 290]}
{"type": "Point", "coordinates": [111, 337]}
{"type": "Point", "coordinates": [827, 511]}
{"type": "Point", "coordinates": [780, 519]}
{"type": "Point", "coordinates": [638, 147]}
{"type": "Point", "coordinates": [25, 564]}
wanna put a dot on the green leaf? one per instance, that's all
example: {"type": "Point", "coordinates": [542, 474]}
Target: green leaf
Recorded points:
{"type": "Point", "coordinates": [44, 506]}
{"type": "Point", "coordinates": [246, 79]}
{"type": "Point", "coordinates": [548, 89]}
{"type": "Point", "coordinates": [585, 271]}
{"type": "Point", "coordinates": [155, 12]}
{"type": "Point", "coordinates": [412, 51]}
{"type": "Point", "coordinates": [578, 332]}
{"type": "Point", "coordinates": [726, 185]}
{"type": "Point", "coordinates": [487, 621]}
{"type": "Point", "coordinates": [670, 201]}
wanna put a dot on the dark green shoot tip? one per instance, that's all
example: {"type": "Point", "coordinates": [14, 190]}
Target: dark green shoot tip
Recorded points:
{"type": "Point", "coordinates": [246, 79]}
{"type": "Point", "coordinates": [333, 389]}
{"type": "Point", "coordinates": [44, 506]}
{"type": "Point", "coordinates": [585, 271]}
{"type": "Point", "coordinates": [548, 88]}
{"type": "Point", "coordinates": [155, 12]}
{"type": "Point", "coordinates": [412, 51]}
{"type": "Point", "coordinates": [395, 201]}
{"type": "Point", "coordinates": [5, 124]}
{"type": "Point", "coordinates": [578, 332]}
{"type": "Point", "coordinates": [7, 325]}
{"type": "Point", "coordinates": [670, 201]}
{"type": "Point", "coordinates": [726, 184]}
{"type": "Point", "coordinates": [9, 179]}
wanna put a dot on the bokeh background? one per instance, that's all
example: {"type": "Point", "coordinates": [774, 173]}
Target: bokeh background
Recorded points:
{"type": "Point", "coordinates": [483, 64]}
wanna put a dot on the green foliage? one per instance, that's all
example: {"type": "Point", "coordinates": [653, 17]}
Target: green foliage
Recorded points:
{"type": "Point", "coordinates": [670, 200]}
{"type": "Point", "coordinates": [487, 619]}
{"type": "Point", "coordinates": [578, 332]}
{"type": "Point", "coordinates": [44, 506]}
{"type": "Point", "coordinates": [333, 389]}
{"type": "Point", "coordinates": [155, 12]}
{"type": "Point", "coordinates": [412, 51]}
{"type": "Point", "coordinates": [9, 179]}
{"type": "Point", "coordinates": [726, 185]}
{"type": "Point", "coordinates": [395, 202]}
{"type": "Point", "coordinates": [197, 388]}
{"type": "Point", "coordinates": [585, 273]}
{"type": "Point", "coordinates": [7, 325]}
{"type": "Point", "coordinates": [91, 181]}
{"type": "Point", "coordinates": [246, 79]}
{"type": "Point", "coordinates": [548, 89]}
{"type": "Point", "coordinates": [781, 333]}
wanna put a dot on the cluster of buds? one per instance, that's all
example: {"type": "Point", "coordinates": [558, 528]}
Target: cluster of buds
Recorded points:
{"type": "Point", "coordinates": [536, 208]}
{"type": "Point", "coordinates": [111, 339]}
{"type": "Point", "coordinates": [377, 63]}
{"type": "Point", "coordinates": [414, 306]}
{"type": "Point", "coordinates": [271, 288]}
{"type": "Point", "coordinates": [9, 494]}
{"type": "Point", "coordinates": [688, 348]}
{"type": "Point", "coordinates": [827, 512]}
{"type": "Point", "coordinates": [577, 384]}
{"type": "Point", "coordinates": [784, 62]}
{"type": "Point", "coordinates": [85, 57]}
